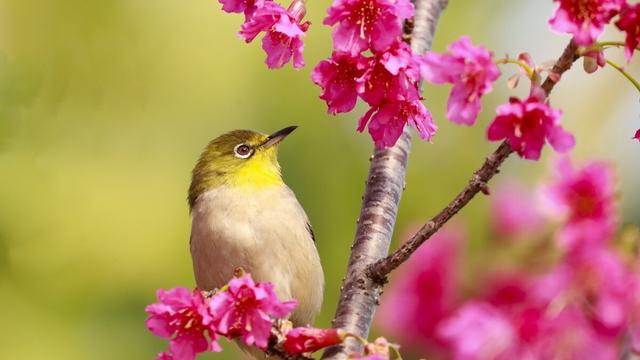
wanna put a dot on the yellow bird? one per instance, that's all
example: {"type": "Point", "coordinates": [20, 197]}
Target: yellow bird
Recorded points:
{"type": "Point", "coordinates": [245, 216]}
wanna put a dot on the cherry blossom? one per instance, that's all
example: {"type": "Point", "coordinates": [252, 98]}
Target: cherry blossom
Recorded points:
{"type": "Point", "coordinates": [387, 121]}
{"type": "Point", "coordinates": [472, 72]}
{"type": "Point", "coordinates": [337, 76]}
{"type": "Point", "coordinates": [629, 22]}
{"type": "Point", "coordinates": [367, 24]}
{"type": "Point", "coordinates": [183, 317]}
{"type": "Point", "coordinates": [584, 19]}
{"type": "Point", "coordinates": [246, 310]}
{"type": "Point", "coordinates": [283, 34]}
{"type": "Point", "coordinates": [526, 124]}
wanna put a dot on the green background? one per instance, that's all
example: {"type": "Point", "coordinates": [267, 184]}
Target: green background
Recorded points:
{"type": "Point", "coordinates": [106, 104]}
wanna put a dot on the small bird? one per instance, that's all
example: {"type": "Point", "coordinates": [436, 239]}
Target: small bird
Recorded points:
{"type": "Point", "coordinates": [245, 216]}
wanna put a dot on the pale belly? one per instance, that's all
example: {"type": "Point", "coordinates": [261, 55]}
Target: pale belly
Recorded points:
{"type": "Point", "coordinates": [266, 235]}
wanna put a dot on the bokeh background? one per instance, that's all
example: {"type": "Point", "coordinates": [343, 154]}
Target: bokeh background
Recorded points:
{"type": "Point", "coordinates": [105, 106]}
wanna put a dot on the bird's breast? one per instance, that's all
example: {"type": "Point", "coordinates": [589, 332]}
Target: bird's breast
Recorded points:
{"type": "Point", "coordinates": [264, 232]}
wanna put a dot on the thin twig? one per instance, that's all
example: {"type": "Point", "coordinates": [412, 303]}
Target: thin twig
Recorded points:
{"type": "Point", "coordinates": [478, 182]}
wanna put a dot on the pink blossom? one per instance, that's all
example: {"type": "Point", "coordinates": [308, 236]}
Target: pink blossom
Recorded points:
{"type": "Point", "coordinates": [391, 75]}
{"type": "Point", "coordinates": [479, 331]}
{"type": "Point", "coordinates": [568, 334]}
{"type": "Point", "coordinates": [637, 135]}
{"type": "Point", "coordinates": [363, 24]}
{"type": "Point", "coordinates": [586, 198]}
{"type": "Point", "coordinates": [629, 22]}
{"type": "Point", "coordinates": [307, 339]}
{"type": "Point", "coordinates": [423, 291]}
{"type": "Point", "coordinates": [283, 38]}
{"type": "Point", "coordinates": [182, 316]}
{"type": "Point", "coordinates": [526, 124]}
{"type": "Point", "coordinates": [164, 356]}
{"type": "Point", "coordinates": [513, 211]}
{"type": "Point", "coordinates": [337, 76]}
{"type": "Point", "coordinates": [387, 121]}
{"type": "Point", "coordinates": [248, 7]}
{"type": "Point", "coordinates": [584, 19]}
{"type": "Point", "coordinates": [246, 309]}
{"type": "Point", "coordinates": [472, 72]}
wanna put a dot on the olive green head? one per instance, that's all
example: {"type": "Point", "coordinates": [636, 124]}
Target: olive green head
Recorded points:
{"type": "Point", "coordinates": [240, 158]}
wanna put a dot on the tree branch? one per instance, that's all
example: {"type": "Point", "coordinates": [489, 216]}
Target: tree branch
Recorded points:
{"type": "Point", "coordinates": [385, 183]}
{"type": "Point", "coordinates": [478, 182]}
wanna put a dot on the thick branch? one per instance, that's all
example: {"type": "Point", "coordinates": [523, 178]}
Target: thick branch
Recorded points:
{"type": "Point", "coordinates": [359, 294]}
{"type": "Point", "coordinates": [477, 183]}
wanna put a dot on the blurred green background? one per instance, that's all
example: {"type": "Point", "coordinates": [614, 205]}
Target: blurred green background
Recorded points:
{"type": "Point", "coordinates": [106, 104]}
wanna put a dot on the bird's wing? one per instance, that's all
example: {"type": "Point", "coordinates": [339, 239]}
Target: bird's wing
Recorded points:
{"type": "Point", "coordinates": [310, 230]}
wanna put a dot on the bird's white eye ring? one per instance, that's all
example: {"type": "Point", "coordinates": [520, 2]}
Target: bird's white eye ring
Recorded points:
{"type": "Point", "coordinates": [242, 151]}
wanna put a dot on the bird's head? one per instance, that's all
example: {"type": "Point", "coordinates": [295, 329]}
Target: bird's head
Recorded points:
{"type": "Point", "coordinates": [240, 158]}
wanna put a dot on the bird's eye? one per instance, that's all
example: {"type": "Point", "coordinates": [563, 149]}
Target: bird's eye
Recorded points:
{"type": "Point", "coordinates": [242, 151]}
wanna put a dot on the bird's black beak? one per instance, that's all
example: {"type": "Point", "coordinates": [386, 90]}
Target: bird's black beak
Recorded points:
{"type": "Point", "coordinates": [277, 136]}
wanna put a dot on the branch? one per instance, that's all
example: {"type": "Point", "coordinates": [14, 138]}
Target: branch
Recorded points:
{"type": "Point", "coordinates": [385, 183]}
{"type": "Point", "coordinates": [478, 182]}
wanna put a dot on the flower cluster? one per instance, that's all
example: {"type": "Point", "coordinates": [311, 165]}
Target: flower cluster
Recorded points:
{"type": "Point", "coordinates": [586, 19]}
{"type": "Point", "coordinates": [579, 299]}
{"type": "Point", "coordinates": [244, 309]}
{"type": "Point", "coordinates": [283, 28]}
{"type": "Point", "coordinates": [387, 80]}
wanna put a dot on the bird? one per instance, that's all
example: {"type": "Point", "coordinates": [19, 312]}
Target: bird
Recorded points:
{"type": "Point", "coordinates": [243, 216]}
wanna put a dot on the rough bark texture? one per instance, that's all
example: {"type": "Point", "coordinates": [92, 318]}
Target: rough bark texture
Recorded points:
{"type": "Point", "coordinates": [359, 293]}
{"type": "Point", "coordinates": [477, 183]}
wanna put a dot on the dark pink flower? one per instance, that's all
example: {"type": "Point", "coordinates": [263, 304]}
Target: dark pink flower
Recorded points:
{"type": "Point", "coordinates": [307, 339]}
{"type": "Point", "coordinates": [248, 7]}
{"type": "Point", "coordinates": [246, 309]}
{"type": "Point", "coordinates": [585, 197]}
{"type": "Point", "coordinates": [363, 24]}
{"type": "Point", "coordinates": [629, 22]}
{"type": "Point", "coordinates": [392, 75]}
{"type": "Point", "coordinates": [472, 72]}
{"type": "Point", "coordinates": [182, 316]}
{"type": "Point", "coordinates": [584, 19]}
{"type": "Point", "coordinates": [337, 76]}
{"type": "Point", "coordinates": [387, 121]}
{"type": "Point", "coordinates": [283, 38]}
{"type": "Point", "coordinates": [526, 124]}
{"type": "Point", "coordinates": [423, 291]}
{"type": "Point", "coordinates": [637, 135]}
{"type": "Point", "coordinates": [479, 330]}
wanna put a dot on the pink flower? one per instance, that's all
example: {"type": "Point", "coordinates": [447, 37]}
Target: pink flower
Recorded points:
{"type": "Point", "coordinates": [637, 135]}
{"type": "Point", "coordinates": [246, 309]}
{"type": "Point", "coordinates": [526, 124]}
{"type": "Point", "coordinates": [164, 356]}
{"type": "Point", "coordinates": [584, 19]}
{"type": "Point", "coordinates": [283, 38]}
{"type": "Point", "coordinates": [479, 331]}
{"type": "Point", "coordinates": [182, 316]}
{"type": "Point", "coordinates": [629, 22]}
{"type": "Point", "coordinates": [387, 121]}
{"type": "Point", "coordinates": [362, 24]}
{"type": "Point", "coordinates": [513, 211]}
{"type": "Point", "coordinates": [586, 198]}
{"type": "Point", "coordinates": [337, 76]}
{"type": "Point", "coordinates": [423, 291]}
{"type": "Point", "coordinates": [307, 339]}
{"type": "Point", "coordinates": [472, 72]}
{"type": "Point", "coordinates": [248, 7]}
{"type": "Point", "coordinates": [391, 75]}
